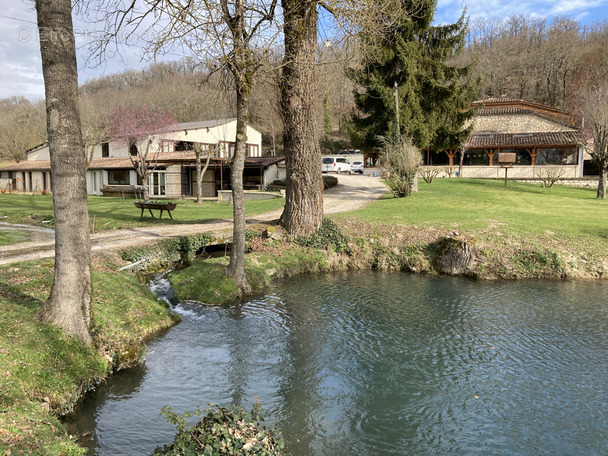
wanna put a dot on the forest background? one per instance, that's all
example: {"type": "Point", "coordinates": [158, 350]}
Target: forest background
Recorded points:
{"type": "Point", "coordinates": [551, 62]}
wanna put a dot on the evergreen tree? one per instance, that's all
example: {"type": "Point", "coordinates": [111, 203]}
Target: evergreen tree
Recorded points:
{"type": "Point", "coordinates": [408, 63]}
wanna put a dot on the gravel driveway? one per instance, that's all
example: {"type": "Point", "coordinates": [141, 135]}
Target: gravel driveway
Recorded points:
{"type": "Point", "coordinates": [352, 192]}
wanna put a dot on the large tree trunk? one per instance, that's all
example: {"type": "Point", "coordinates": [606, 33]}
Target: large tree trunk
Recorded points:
{"type": "Point", "coordinates": [69, 303]}
{"type": "Point", "coordinates": [303, 194]}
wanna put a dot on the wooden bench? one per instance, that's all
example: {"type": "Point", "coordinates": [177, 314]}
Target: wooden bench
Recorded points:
{"type": "Point", "coordinates": [155, 205]}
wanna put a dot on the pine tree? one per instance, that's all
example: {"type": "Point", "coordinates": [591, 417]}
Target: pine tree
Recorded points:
{"type": "Point", "coordinates": [408, 63]}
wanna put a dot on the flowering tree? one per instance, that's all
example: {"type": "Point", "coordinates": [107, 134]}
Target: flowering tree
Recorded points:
{"type": "Point", "coordinates": [140, 129]}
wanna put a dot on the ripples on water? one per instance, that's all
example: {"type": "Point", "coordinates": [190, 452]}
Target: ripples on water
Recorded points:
{"type": "Point", "coordinates": [375, 364]}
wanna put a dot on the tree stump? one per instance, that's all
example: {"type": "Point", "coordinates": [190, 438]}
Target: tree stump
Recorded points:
{"type": "Point", "coordinates": [456, 255]}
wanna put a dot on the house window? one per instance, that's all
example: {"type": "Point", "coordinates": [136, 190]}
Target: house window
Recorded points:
{"type": "Point", "coordinates": [133, 150]}
{"type": "Point", "coordinates": [118, 177]}
{"type": "Point", "coordinates": [181, 146]}
{"type": "Point", "coordinates": [476, 157]}
{"type": "Point", "coordinates": [226, 149]}
{"type": "Point", "coordinates": [253, 150]}
{"type": "Point", "coordinates": [105, 150]}
{"type": "Point", "coordinates": [555, 156]}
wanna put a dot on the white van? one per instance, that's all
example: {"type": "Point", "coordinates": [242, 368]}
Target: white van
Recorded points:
{"type": "Point", "coordinates": [335, 165]}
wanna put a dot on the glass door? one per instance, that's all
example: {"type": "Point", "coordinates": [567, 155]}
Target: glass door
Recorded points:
{"type": "Point", "coordinates": [157, 183]}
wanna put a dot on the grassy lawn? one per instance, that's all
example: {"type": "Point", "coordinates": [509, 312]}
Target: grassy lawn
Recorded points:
{"type": "Point", "coordinates": [475, 205]}
{"type": "Point", "coordinates": [114, 213]}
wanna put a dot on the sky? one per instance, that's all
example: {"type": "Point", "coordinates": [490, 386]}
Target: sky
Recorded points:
{"type": "Point", "coordinates": [21, 71]}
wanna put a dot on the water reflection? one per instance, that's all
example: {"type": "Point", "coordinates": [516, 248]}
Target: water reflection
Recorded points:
{"type": "Point", "coordinates": [385, 364]}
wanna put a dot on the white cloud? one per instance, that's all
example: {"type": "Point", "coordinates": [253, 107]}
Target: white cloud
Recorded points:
{"type": "Point", "coordinates": [450, 10]}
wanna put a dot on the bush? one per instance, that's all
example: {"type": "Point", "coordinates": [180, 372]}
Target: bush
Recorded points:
{"type": "Point", "coordinates": [222, 432]}
{"type": "Point", "coordinates": [327, 235]}
{"type": "Point", "coordinates": [401, 160]}
{"type": "Point", "coordinates": [329, 182]}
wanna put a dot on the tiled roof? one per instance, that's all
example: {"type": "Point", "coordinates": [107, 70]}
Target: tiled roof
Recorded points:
{"type": "Point", "coordinates": [36, 165]}
{"type": "Point", "coordinates": [493, 139]}
{"type": "Point", "coordinates": [502, 111]}
{"type": "Point", "coordinates": [125, 163]}
{"type": "Point", "coordinates": [202, 124]}
{"type": "Point", "coordinates": [493, 100]}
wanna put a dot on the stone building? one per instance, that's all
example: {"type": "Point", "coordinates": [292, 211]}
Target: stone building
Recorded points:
{"type": "Point", "coordinates": [533, 136]}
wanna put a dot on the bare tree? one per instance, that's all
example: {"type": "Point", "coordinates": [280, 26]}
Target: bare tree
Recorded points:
{"type": "Point", "coordinates": [594, 111]}
{"type": "Point", "coordinates": [200, 170]}
{"type": "Point", "coordinates": [94, 121]}
{"type": "Point", "coordinates": [230, 36]}
{"type": "Point", "coordinates": [141, 131]}
{"type": "Point", "coordinates": [69, 303]}
{"type": "Point", "coordinates": [22, 127]}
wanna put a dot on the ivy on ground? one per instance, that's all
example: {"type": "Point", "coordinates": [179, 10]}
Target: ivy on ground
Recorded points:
{"type": "Point", "coordinates": [222, 431]}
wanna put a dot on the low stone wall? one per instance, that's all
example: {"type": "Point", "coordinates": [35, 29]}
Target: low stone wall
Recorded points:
{"type": "Point", "coordinates": [527, 174]}
{"type": "Point", "coordinates": [583, 182]}
{"type": "Point", "coordinates": [249, 195]}
{"type": "Point", "coordinates": [497, 172]}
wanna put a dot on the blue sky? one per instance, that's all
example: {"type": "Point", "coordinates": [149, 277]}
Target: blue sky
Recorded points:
{"type": "Point", "coordinates": [21, 74]}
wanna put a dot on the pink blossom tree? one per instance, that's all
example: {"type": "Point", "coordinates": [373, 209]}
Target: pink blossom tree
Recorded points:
{"type": "Point", "coordinates": [141, 130]}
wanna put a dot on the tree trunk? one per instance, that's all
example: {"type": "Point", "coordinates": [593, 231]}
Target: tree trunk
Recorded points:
{"type": "Point", "coordinates": [601, 184]}
{"type": "Point", "coordinates": [236, 267]}
{"type": "Point", "coordinates": [303, 194]}
{"type": "Point", "coordinates": [69, 303]}
{"type": "Point", "coordinates": [200, 172]}
{"type": "Point", "coordinates": [199, 176]}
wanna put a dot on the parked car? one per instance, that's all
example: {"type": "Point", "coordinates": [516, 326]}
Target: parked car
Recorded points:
{"type": "Point", "coordinates": [357, 167]}
{"type": "Point", "coordinates": [335, 165]}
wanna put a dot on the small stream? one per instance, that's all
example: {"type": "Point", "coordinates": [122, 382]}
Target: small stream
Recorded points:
{"type": "Point", "coordinates": [379, 364]}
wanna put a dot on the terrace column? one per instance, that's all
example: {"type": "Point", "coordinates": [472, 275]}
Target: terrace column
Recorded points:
{"type": "Point", "coordinates": [491, 153]}
{"type": "Point", "coordinates": [533, 153]}
{"type": "Point", "coordinates": [451, 153]}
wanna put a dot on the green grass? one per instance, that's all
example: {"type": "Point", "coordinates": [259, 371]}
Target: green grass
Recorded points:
{"type": "Point", "coordinates": [473, 205]}
{"type": "Point", "coordinates": [42, 371]}
{"type": "Point", "coordinates": [113, 213]}
{"type": "Point", "coordinates": [12, 237]}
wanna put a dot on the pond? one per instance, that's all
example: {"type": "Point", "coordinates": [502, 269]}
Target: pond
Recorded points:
{"type": "Point", "coordinates": [380, 364]}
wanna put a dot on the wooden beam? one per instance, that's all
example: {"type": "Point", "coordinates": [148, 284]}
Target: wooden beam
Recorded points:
{"type": "Point", "coordinates": [533, 153]}
{"type": "Point", "coordinates": [451, 153]}
{"type": "Point", "coordinates": [491, 153]}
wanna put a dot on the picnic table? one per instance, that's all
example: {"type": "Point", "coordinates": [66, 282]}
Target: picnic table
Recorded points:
{"type": "Point", "coordinates": [159, 205]}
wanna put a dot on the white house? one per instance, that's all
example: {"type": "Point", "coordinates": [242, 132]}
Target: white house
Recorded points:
{"type": "Point", "coordinates": [111, 171]}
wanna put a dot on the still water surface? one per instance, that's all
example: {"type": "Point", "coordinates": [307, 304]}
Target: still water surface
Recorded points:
{"type": "Point", "coordinates": [381, 364]}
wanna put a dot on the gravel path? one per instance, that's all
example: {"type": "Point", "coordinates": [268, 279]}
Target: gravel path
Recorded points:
{"type": "Point", "coordinates": [352, 192]}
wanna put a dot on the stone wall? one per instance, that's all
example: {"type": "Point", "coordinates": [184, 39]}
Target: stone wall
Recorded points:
{"type": "Point", "coordinates": [496, 172]}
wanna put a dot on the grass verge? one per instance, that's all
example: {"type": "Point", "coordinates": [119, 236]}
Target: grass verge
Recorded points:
{"type": "Point", "coordinates": [42, 373]}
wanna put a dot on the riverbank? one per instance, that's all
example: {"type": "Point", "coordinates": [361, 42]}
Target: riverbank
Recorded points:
{"type": "Point", "coordinates": [42, 373]}
{"type": "Point", "coordinates": [350, 243]}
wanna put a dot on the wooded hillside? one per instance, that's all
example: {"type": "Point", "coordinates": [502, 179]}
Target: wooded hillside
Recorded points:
{"type": "Point", "coordinates": [545, 61]}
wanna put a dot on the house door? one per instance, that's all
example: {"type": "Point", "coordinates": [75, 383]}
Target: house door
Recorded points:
{"type": "Point", "coordinates": [157, 183]}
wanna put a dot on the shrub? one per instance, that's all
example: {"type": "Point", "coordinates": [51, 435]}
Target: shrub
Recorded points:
{"type": "Point", "coordinates": [549, 175]}
{"type": "Point", "coordinates": [429, 174]}
{"type": "Point", "coordinates": [401, 161]}
{"type": "Point", "coordinates": [327, 235]}
{"type": "Point", "coordinates": [222, 432]}
{"type": "Point", "coordinates": [329, 182]}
